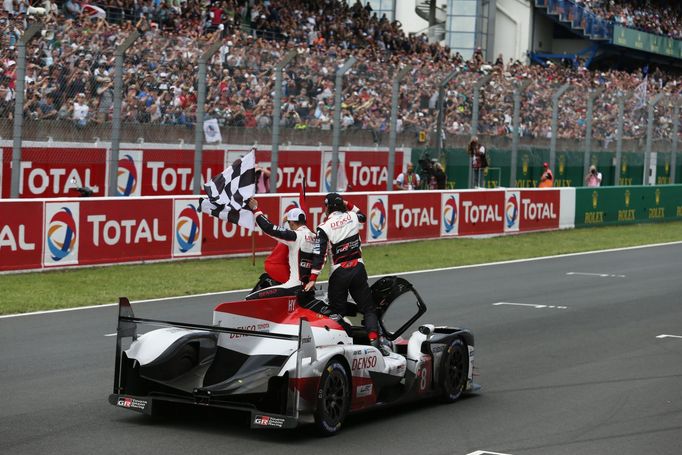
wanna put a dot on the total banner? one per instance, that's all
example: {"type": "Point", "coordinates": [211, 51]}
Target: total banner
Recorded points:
{"type": "Point", "coordinates": [21, 234]}
{"type": "Point", "coordinates": [48, 172]}
{"type": "Point", "coordinates": [56, 170]}
{"type": "Point", "coordinates": [67, 232]}
{"type": "Point", "coordinates": [164, 172]}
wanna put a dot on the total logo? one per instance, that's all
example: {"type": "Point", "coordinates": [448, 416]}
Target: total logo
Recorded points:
{"type": "Point", "coordinates": [341, 178]}
{"type": "Point", "coordinates": [450, 203]}
{"type": "Point", "coordinates": [187, 229]}
{"type": "Point", "coordinates": [511, 211]}
{"type": "Point", "coordinates": [61, 233]}
{"type": "Point", "coordinates": [128, 183]}
{"type": "Point", "coordinates": [328, 177]}
{"type": "Point", "coordinates": [377, 218]}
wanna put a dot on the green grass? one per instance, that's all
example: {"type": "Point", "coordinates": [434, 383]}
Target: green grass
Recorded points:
{"type": "Point", "coordinates": [93, 286]}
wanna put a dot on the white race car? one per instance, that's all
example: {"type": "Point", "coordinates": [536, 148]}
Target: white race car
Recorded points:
{"type": "Point", "coordinates": [287, 362]}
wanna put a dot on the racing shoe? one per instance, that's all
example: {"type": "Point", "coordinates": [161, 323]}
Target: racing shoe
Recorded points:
{"type": "Point", "coordinates": [383, 345]}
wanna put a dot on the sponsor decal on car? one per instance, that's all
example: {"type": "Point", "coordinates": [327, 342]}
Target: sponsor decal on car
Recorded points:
{"type": "Point", "coordinates": [268, 421]}
{"type": "Point", "coordinates": [132, 403]}
{"type": "Point", "coordinates": [364, 390]}
{"type": "Point", "coordinates": [364, 363]}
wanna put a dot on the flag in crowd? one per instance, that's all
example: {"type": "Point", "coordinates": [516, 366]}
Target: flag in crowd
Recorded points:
{"type": "Point", "coordinates": [228, 193]}
{"type": "Point", "coordinates": [212, 131]}
{"type": "Point", "coordinates": [640, 93]}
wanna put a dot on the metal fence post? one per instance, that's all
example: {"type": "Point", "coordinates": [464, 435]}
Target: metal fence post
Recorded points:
{"type": "Point", "coordinates": [518, 90]}
{"type": "Point", "coordinates": [676, 126]}
{"type": "Point", "coordinates": [650, 137]}
{"type": "Point", "coordinates": [201, 111]}
{"type": "Point", "coordinates": [591, 96]}
{"type": "Point", "coordinates": [441, 111]}
{"type": "Point", "coordinates": [336, 138]}
{"type": "Point", "coordinates": [474, 115]}
{"type": "Point", "coordinates": [28, 35]}
{"type": "Point", "coordinates": [277, 108]}
{"type": "Point", "coordinates": [116, 114]}
{"type": "Point", "coordinates": [555, 122]}
{"type": "Point", "coordinates": [619, 135]}
{"type": "Point", "coordinates": [393, 134]}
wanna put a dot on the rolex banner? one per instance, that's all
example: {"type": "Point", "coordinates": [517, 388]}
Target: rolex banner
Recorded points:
{"type": "Point", "coordinates": [646, 42]}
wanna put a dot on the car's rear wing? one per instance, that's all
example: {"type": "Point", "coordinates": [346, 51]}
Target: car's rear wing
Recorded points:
{"type": "Point", "coordinates": [127, 327]}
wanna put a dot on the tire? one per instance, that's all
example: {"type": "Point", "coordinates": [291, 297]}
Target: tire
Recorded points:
{"type": "Point", "coordinates": [333, 398]}
{"type": "Point", "coordinates": [455, 371]}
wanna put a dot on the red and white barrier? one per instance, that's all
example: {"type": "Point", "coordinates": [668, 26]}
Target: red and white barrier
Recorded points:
{"type": "Point", "coordinates": [50, 233]}
{"type": "Point", "coordinates": [50, 170]}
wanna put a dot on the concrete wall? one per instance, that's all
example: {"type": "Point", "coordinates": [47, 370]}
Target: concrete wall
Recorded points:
{"type": "Point", "coordinates": [513, 29]}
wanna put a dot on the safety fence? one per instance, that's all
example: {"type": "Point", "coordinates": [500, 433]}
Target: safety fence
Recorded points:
{"type": "Point", "coordinates": [54, 233]}
{"type": "Point", "coordinates": [569, 169]}
{"type": "Point", "coordinates": [59, 169]}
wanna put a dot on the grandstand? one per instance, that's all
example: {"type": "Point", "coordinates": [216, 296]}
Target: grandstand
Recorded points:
{"type": "Point", "coordinates": [625, 47]}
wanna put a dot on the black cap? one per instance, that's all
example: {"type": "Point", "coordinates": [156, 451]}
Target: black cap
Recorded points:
{"type": "Point", "coordinates": [334, 203]}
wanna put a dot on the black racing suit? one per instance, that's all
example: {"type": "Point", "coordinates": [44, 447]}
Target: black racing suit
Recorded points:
{"type": "Point", "coordinates": [340, 233]}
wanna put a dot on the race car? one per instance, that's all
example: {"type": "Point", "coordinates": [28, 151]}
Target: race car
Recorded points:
{"type": "Point", "coordinates": [287, 362]}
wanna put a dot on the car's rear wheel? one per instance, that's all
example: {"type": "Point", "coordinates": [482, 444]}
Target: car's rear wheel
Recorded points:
{"type": "Point", "coordinates": [333, 398]}
{"type": "Point", "coordinates": [454, 370]}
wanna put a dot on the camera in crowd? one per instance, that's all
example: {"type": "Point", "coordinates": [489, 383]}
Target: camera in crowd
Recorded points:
{"type": "Point", "coordinates": [425, 166]}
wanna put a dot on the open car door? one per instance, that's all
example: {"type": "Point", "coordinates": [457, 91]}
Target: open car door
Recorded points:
{"type": "Point", "coordinates": [399, 305]}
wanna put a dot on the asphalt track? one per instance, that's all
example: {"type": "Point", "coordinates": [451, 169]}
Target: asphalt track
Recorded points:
{"type": "Point", "coordinates": [590, 378]}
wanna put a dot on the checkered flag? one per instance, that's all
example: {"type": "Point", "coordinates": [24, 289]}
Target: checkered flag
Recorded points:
{"type": "Point", "coordinates": [229, 192]}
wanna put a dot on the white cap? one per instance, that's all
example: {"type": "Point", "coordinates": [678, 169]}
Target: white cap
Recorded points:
{"type": "Point", "coordinates": [295, 215]}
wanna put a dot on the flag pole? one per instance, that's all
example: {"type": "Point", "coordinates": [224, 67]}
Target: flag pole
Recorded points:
{"type": "Point", "coordinates": [253, 247]}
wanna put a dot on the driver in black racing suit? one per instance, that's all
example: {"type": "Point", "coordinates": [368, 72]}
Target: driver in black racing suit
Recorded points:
{"type": "Point", "coordinates": [340, 233]}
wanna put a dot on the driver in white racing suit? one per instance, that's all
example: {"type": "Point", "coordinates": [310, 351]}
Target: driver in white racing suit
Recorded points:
{"type": "Point", "coordinates": [300, 241]}
{"type": "Point", "coordinates": [340, 233]}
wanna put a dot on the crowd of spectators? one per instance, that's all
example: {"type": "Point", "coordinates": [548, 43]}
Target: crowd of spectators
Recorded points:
{"type": "Point", "coordinates": [70, 71]}
{"type": "Point", "coordinates": [662, 17]}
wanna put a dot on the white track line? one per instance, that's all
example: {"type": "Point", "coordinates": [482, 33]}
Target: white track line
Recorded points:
{"type": "Point", "coordinates": [414, 272]}
{"type": "Point", "coordinates": [669, 336]}
{"type": "Point", "coordinates": [602, 275]}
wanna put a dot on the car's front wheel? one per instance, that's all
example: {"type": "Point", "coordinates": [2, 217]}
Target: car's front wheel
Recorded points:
{"type": "Point", "coordinates": [333, 398]}
{"type": "Point", "coordinates": [455, 370]}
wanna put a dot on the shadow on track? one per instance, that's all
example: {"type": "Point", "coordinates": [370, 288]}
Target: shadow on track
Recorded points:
{"type": "Point", "coordinates": [215, 421]}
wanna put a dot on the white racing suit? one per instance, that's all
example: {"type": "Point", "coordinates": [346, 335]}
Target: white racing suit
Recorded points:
{"type": "Point", "coordinates": [301, 243]}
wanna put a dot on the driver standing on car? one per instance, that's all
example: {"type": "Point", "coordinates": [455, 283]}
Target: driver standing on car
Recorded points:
{"type": "Point", "coordinates": [300, 242]}
{"type": "Point", "coordinates": [340, 233]}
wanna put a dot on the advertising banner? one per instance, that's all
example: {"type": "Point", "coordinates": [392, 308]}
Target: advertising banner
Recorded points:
{"type": "Point", "coordinates": [48, 172]}
{"type": "Point", "coordinates": [647, 42]}
{"type": "Point", "coordinates": [61, 233]}
{"type": "Point", "coordinates": [186, 227]}
{"type": "Point", "coordinates": [171, 171]}
{"type": "Point", "coordinates": [537, 209]}
{"type": "Point", "coordinates": [129, 174]}
{"type": "Point", "coordinates": [512, 205]}
{"type": "Point", "coordinates": [414, 215]}
{"type": "Point", "coordinates": [125, 230]}
{"type": "Point", "coordinates": [622, 205]}
{"type": "Point", "coordinates": [449, 214]}
{"type": "Point", "coordinates": [481, 212]}
{"type": "Point", "coordinates": [221, 237]}
{"type": "Point", "coordinates": [377, 218]}
{"type": "Point", "coordinates": [21, 228]}
{"type": "Point", "coordinates": [367, 170]}
{"type": "Point", "coordinates": [294, 167]}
